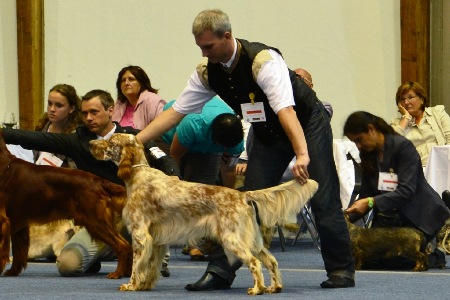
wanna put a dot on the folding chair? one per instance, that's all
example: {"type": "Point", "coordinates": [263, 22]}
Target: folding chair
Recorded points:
{"type": "Point", "coordinates": [310, 223]}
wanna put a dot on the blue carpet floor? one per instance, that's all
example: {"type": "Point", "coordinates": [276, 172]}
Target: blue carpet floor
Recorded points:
{"type": "Point", "coordinates": [301, 266]}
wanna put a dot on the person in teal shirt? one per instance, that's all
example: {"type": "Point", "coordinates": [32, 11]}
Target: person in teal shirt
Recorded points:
{"type": "Point", "coordinates": [207, 144]}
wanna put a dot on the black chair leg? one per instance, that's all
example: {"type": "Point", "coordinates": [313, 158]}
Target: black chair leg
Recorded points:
{"type": "Point", "coordinates": [282, 240]}
{"type": "Point", "coordinates": [310, 223]}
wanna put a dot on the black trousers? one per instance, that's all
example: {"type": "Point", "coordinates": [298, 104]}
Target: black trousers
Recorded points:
{"type": "Point", "coordinates": [265, 168]}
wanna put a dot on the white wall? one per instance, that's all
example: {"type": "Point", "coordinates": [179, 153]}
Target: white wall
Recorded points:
{"type": "Point", "coordinates": [351, 47]}
{"type": "Point", "coordinates": [8, 59]}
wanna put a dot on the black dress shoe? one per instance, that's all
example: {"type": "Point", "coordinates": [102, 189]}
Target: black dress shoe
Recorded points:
{"type": "Point", "coordinates": [436, 259]}
{"type": "Point", "coordinates": [209, 282]}
{"type": "Point", "coordinates": [94, 268]}
{"type": "Point", "coordinates": [335, 282]}
{"type": "Point", "coordinates": [165, 270]}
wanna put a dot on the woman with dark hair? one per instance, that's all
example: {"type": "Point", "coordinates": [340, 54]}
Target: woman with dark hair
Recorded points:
{"type": "Point", "coordinates": [137, 101]}
{"type": "Point", "coordinates": [393, 183]}
{"type": "Point", "coordinates": [423, 125]}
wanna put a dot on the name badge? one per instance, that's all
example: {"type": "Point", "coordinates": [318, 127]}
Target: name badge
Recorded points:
{"type": "Point", "coordinates": [48, 159]}
{"type": "Point", "coordinates": [387, 182]}
{"type": "Point", "coordinates": [253, 112]}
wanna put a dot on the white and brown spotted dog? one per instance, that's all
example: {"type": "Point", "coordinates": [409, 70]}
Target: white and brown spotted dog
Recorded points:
{"type": "Point", "coordinates": [162, 210]}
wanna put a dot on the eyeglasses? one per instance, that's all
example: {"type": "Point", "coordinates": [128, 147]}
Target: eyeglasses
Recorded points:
{"type": "Point", "coordinates": [410, 99]}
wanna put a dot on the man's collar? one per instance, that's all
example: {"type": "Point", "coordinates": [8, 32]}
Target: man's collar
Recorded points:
{"type": "Point", "coordinates": [108, 135]}
{"type": "Point", "coordinates": [230, 62]}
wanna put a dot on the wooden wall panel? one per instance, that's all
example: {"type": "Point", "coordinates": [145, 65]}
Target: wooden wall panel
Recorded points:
{"type": "Point", "coordinates": [30, 52]}
{"type": "Point", "coordinates": [415, 41]}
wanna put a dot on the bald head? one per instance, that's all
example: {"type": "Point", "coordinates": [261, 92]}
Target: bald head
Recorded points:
{"type": "Point", "coordinates": [305, 76]}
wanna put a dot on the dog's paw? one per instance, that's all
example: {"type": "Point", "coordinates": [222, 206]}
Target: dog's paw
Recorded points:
{"type": "Point", "coordinates": [274, 289]}
{"type": "Point", "coordinates": [126, 287]}
{"type": "Point", "coordinates": [256, 290]}
{"type": "Point", "coordinates": [114, 275]}
{"type": "Point", "coordinates": [11, 272]}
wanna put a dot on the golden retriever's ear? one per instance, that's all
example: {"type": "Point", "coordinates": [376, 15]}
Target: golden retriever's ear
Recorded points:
{"type": "Point", "coordinates": [126, 162]}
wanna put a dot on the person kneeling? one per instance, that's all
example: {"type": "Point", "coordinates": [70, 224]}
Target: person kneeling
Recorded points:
{"type": "Point", "coordinates": [393, 183]}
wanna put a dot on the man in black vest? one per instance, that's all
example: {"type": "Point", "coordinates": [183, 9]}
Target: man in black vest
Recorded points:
{"type": "Point", "coordinates": [287, 119]}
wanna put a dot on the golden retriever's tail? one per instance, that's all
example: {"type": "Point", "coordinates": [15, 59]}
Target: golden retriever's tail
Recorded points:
{"type": "Point", "coordinates": [279, 204]}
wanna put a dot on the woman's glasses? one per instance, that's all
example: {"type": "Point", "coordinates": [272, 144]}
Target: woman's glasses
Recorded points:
{"type": "Point", "coordinates": [410, 99]}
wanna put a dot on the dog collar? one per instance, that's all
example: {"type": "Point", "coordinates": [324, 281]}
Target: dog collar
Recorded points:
{"type": "Point", "coordinates": [139, 165]}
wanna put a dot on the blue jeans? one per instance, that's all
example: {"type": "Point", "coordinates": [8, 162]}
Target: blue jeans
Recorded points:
{"type": "Point", "coordinates": [265, 168]}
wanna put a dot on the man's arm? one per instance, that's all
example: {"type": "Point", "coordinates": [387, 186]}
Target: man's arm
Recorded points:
{"type": "Point", "coordinates": [294, 131]}
{"type": "Point", "coordinates": [161, 124]}
{"type": "Point", "coordinates": [228, 175]}
{"type": "Point", "coordinates": [59, 143]}
{"type": "Point", "coordinates": [177, 151]}
{"type": "Point", "coordinates": [228, 169]}
{"type": "Point", "coordinates": [273, 78]}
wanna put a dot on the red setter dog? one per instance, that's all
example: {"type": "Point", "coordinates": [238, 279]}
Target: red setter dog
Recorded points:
{"type": "Point", "coordinates": [41, 194]}
{"type": "Point", "coordinates": [162, 210]}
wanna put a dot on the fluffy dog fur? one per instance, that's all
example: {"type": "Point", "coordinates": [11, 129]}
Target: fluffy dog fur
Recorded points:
{"type": "Point", "coordinates": [165, 210]}
{"type": "Point", "coordinates": [374, 244]}
{"type": "Point", "coordinates": [47, 240]}
{"type": "Point", "coordinates": [42, 194]}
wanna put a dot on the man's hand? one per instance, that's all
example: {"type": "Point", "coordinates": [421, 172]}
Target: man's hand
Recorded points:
{"type": "Point", "coordinates": [300, 170]}
{"type": "Point", "coordinates": [241, 168]}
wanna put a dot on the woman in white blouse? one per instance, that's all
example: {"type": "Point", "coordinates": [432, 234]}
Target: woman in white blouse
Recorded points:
{"type": "Point", "coordinates": [423, 125]}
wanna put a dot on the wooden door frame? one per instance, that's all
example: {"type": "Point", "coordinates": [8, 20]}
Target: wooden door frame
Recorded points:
{"type": "Point", "coordinates": [415, 41]}
{"type": "Point", "coordinates": [30, 60]}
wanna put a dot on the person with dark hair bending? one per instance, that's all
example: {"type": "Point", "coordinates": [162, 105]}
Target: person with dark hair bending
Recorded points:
{"type": "Point", "coordinates": [393, 183]}
{"type": "Point", "coordinates": [207, 144]}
